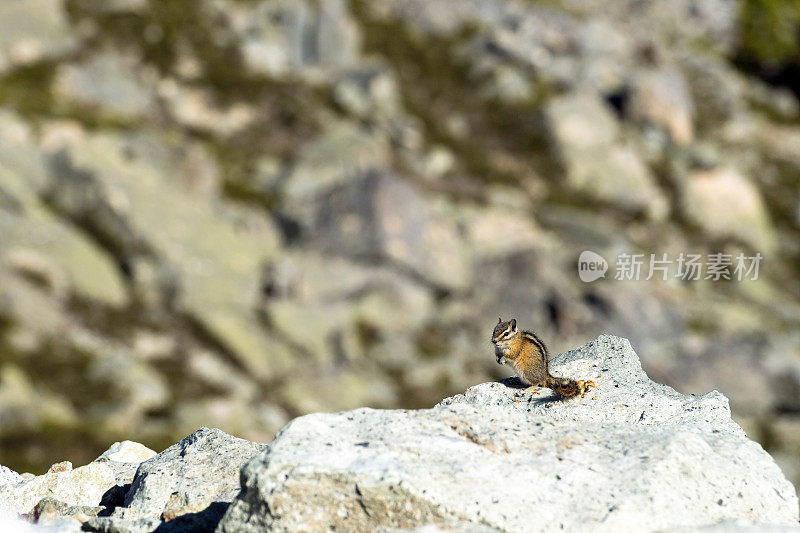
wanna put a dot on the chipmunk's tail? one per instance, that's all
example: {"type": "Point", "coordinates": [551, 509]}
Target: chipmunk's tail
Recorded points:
{"type": "Point", "coordinates": [567, 387]}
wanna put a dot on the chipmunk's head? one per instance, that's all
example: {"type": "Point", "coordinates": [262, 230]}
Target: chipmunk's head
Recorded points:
{"type": "Point", "coordinates": [502, 336]}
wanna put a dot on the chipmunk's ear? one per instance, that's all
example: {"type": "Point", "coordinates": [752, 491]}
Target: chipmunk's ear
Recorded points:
{"type": "Point", "coordinates": [499, 320]}
{"type": "Point", "coordinates": [513, 324]}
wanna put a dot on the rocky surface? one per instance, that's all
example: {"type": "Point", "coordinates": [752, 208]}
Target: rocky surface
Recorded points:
{"type": "Point", "coordinates": [83, 486]}
{"type": "Point", "coordinates": [198, 472]}
{"type": "Point", "coordinates": [187, 487]}
{"type": "Point", "coordinates": [224, 213]}
{"type": "Point", "coordinates": [637, 455]}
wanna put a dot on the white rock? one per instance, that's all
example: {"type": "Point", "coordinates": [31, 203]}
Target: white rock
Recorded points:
{"type": "Point", "coordinates": [126, 451]}
{"type": "Point", "coordinates": [640, 456]}
{"type": "Point", "coordinates": [82, 486]}
{"type": "Point", "coordinates": [8, 476]}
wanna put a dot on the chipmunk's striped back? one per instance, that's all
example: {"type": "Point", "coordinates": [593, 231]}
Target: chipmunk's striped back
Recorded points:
{"type": "Point", "coordinates": [536, 341]}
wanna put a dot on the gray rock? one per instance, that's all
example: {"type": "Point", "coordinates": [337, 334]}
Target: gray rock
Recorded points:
{"type": "Point", "coordinates": [31, 30]}
{"type": "Point", "coordinates": [379, 215]}
{"type": "Point", "coordinates": [597, 164]}
{"type": "Point", "coordinates": [50, 510]}
{"type": "Point", "coordinates": [196, 108]}
{"type": "Point", "coordinates": [188, 477]}
{"type": "Point", "coordinates": [336, 157]}
{"type": "Point", "coordinates": [370, 91]}
{"type": "Point", "coordinates": [279, 38]}
{"type": "Point", "coordinates": [110, 81]}
{"type": "Point", "coordinates": [661, 99]}
{"type": "Point", "coordinates": [107, 524]}
{"type": "Point", "coordinates": [640, 456]}
{"type": "Point", "coordinates": [740, 526]}
{"type": "Point", "coordinates": [119, 185]}
{"type": "Point", "coordinates": [33, 241]}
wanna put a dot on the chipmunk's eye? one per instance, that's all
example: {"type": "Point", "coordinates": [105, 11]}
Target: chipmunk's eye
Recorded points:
{"type": "Point", "coordinates": [507, 334]}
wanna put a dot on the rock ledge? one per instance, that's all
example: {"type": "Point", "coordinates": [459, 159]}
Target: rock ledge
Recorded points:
{"type": "Point", "coordinates": [640, 455]}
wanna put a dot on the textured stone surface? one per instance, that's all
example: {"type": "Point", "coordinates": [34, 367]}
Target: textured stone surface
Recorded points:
{"type": "Point", "coordinates": [31, 30]}
{"type": "Point", "coordinates": [380, 215]}
{"type": "Point", "coordinates": [51, 510]}
{"type": "Point", "coordinates": [124, 458]}
{"type": "Point", "coordinates": [278, 38]}
{"type": "Point", "coordinates": [121, 177]}
{"type": "Point", "coordinates": [83, 486]}
{"type": "Point", "coordinates": [126, 451]}
{"type": "Point", "coordinates": [585, 134]}
{"type": "Point", "coordinates": [111, 82]}
{"type": "Point", "coordinates": [640, 455]}
{"type": "Point", "coordinates": [189, 476]}
{"type": "Point", "coordinates": [159, 159]}
{"type": "Point", "coordinates": [726, 204]}
{"type": "Point", "coordinates": [662, 99]}
{"type": "Point", "coordinates": [120, 525]}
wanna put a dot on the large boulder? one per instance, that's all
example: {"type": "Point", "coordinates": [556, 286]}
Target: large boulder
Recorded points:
{"type": "Point", "coordinates": [634, 453]}
{"type": "Point", "coordinates": [111, 82]}
{"type": "Point", "coordinates": [586, 138]}
{"type": "Point", "coordinates": [120, 186]}
{"type": "Point", "coordinates": [288, 38]}
{"type": "Point", "coordinates": [199, 473]}
{"type": "Point", "coordinates": [661, 99]}
{"type": "Point", "coordinates": [379, 215]}
{"type": "Point", "coordinates": [32, 30]}
{"type": "Point", "coordinates": [725, 204]}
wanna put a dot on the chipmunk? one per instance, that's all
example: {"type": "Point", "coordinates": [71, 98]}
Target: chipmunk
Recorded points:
{"type": "Point", "coordinates": [528, 357]}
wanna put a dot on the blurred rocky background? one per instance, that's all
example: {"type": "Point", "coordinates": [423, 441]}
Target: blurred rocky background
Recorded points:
{"type": "Point", "coordinates": [227, 213]}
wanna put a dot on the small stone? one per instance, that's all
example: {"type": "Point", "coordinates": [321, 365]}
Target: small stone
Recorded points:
{"type": "Point", "coordinates": [51, 510]}
{"type": "Point", "coordinates": [126, 451]}
{"type": "Point", "coordinates": [63, 466]}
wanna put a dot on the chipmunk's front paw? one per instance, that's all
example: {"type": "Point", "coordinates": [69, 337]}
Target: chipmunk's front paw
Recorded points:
{"type": "Point", "coordinates": [584, 386]}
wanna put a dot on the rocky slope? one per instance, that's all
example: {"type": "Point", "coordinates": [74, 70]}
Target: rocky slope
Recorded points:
{"type": "Point", "coordinates": [636, 455]}
{"type": "Point", "coordinates": [227, 213]}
